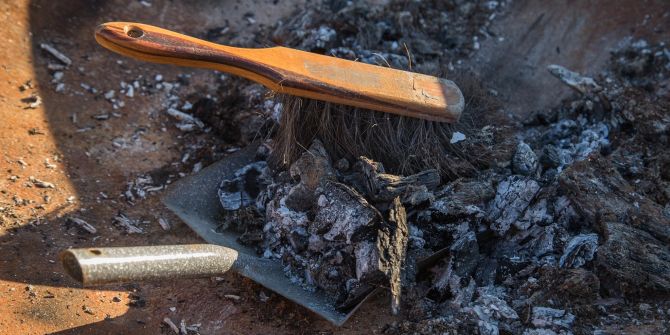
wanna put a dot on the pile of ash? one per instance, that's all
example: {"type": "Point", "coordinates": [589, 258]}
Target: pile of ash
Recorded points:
{"type": "Point", "coordinates": [553, 234]}
{"type": "Point", "coordinates": [568, 232]}
{"type": "Point", "coordinates": [317, 220]}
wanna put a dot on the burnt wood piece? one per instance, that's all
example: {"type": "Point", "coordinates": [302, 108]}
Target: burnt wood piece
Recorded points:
{"type": "Point", "coordinates": [383, 187]}
{"type": "Point", "coordinates": [601, 194]}
{"type": "Point", "coordinates": [633, 255]}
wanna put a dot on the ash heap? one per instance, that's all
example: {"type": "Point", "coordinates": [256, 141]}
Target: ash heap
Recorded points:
{"type": "Point", "coordinates": [564, 231]}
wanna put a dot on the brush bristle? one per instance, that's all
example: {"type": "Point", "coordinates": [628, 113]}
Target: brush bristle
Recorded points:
{"type": "Point", "coordinates": [404, 145]}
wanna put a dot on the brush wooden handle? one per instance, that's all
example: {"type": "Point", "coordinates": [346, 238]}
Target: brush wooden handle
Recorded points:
{"type": "Point", "coordinates": [294, 72]}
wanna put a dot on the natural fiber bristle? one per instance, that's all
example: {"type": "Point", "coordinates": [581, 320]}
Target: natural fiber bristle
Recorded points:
{"type": "Point", "coordinates": [404, 145]}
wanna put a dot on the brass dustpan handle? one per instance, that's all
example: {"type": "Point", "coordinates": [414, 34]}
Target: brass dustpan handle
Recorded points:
{"type": "Point", "coordinates": [98, 266]}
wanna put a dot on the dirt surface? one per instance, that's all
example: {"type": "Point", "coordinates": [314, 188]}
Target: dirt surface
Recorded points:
{"type": "Point", "coordinates": [90, 151]}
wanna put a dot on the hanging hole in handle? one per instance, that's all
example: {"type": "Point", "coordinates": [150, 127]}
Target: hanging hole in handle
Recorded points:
{"type": "Point", "coordinates": [95, 251]}
{"type": "Point", "coordinates": [134, 32]}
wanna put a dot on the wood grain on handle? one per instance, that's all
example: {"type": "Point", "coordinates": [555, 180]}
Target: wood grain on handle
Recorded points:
{"type": "Point", "coordinates": [294, 72]}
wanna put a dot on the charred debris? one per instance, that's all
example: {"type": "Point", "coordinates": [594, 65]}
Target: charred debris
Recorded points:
{"type": "Point", "coordinates": [561, 225]}
{"type": "Point", "coordinates": [575, 221]}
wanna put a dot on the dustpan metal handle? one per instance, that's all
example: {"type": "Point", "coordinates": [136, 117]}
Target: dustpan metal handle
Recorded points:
{"type": "Point", "coordinates": [98, 266]}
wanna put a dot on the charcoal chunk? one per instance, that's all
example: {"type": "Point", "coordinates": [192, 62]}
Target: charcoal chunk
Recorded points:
{"type": "Point", "coordinates": [462, 198]}
{"type": "Point", "coordinates": [513, 196]}
{"type": "Point", "coordinates": [631, 260]}
{"type": "Point", "coordinates": [580, 250]}
{"type": "Point", "coordinates": [381, 186]}
{"type": "Point", "coordinates": [555, 319]}
{"type": "Point", "coordinates": [311, 169]}
{"type": "Point", "coordinates": [600, 194]}
{"type": "Point", "coordinates": [345, 214]}
{"type": "Point", "coordinates": [524, 161]}
{"type": "Point", "coordinates": [242, 190]}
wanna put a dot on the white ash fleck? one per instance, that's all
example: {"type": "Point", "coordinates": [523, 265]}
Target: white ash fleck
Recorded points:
{"type": "Point", "coordinates": [56, 67]}
{"type": "Point", "coordinates": [232, 297]}
{"type": "Point", "coordinates": [28, 85]}
{"type": "Point", "coordinates": [57, 76]}
{"type": "Point", "coordinates": [263, 297]}
{"type": "Point", "coordinates": [41, 183]}
{"type": "Point", "coordinates": [89, 88]}
{"type": "Point", "coordinates": [367, 258]}
{"type": "Point", "coordinates": [273, 108]}
{"type": "Point", "coordinates": [101, 116]}
{"type": "Point", "coordinates": [57, 54]}
{"type": "Point", "coordinates": [109, 94]}
{"type": "Point", "coordinates": [196, 167]}
{"type": "Point", "coordinates": [130, 91]}
{"type": "Point", "coordinates": [182, 327]}
{"type": "Point", "coordinates": [140, 187]}
{"type": "Point", "coordinates": [557, 319]}
{"type": "Point", "coordinates": [186, 127]}
{"type": "Point", "coordinates": [491, 310]}
{"type": "Point", "coordinates": [48, 164]}
{"type": "Point", "coordinates": [195, 328]}
{"type": "Point", "coordinates": [236, 193]}
{"type": "Point", "coordinates": [322, 201]}
{"type": "Point", "coordinates": [416, 240]}
{"type": "Point", "coordinates": [324, 35]}
{"type": "Point", "coordinates": [569, 141]}
{"type": "Point", "coordinates": [493, 306]}
{"type": "Point", "coordinates": [83, 224]}
{"type": "Point", "coordinates": [456, 137]}
{"type": "Point", "coordinates": [591, 139]}
{"type": "Point", "coordinates": [129, 225]}
{"type": "Point", "coordinates": [165, 225]}
{"type": "Point", "coordinates": [33, 101]}
{"type": "Point", "coordinates": [345, 215]}
{"type": "Point", "coordinates": [186, 119]}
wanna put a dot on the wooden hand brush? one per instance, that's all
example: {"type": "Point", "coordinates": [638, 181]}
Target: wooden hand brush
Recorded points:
{"type": "Point", "coordinates": [342, 95]}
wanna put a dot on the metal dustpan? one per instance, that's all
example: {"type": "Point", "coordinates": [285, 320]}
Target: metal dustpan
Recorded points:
{"type": "Point", "coordinates": [194, 199]}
